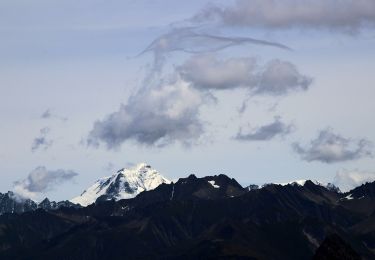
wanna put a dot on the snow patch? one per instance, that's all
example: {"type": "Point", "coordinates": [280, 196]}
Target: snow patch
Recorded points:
{"type": "Point", "coordinates": [213, 184]}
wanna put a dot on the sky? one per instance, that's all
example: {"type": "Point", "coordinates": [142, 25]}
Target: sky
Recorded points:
{"type": "Point", "coordinates": [261, 90]}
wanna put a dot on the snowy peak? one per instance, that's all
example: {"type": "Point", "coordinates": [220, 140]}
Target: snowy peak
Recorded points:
{"type": "Point", "coordinates": [124, 184]}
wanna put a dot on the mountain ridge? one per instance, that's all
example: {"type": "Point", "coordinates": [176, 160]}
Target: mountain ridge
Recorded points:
{"type": "Point", "coordinates": [212, 216]}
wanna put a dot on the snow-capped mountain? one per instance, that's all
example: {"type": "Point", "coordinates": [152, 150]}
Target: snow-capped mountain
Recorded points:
{"type": "Point", "coordinates": [124, 184]}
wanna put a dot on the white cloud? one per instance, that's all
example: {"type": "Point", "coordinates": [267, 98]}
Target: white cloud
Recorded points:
{"type": "Point", "coordinates": [348, 180]}
{"type": "Point", "coordinates": [41, 180]}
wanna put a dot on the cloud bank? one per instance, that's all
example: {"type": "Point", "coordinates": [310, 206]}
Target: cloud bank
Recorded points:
{"type": "Point", "coordinates": [329, 147]}
{"type": "Point", "coordinates": [342, 15]}
{"type": "Point", "coordinates": [266, 132]}
{"type": "Point", "coordinates": [41, 180]}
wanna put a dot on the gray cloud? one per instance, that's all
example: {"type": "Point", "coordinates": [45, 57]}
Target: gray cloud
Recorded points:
{"type": "Point", "coordinates": [344, 15]}
{"type": "Point", "coordinates": [329, 147]}
{"type": "Point", "coordinates": [42, 142]}
{"type": "Point", "coordinates": [274, 78]}
{"type": "Point", "coordinates": [348, 180]}
{"type": "Point", "coordinates": [280, 77]}
{"type": "Point", "coordinates": [153, 117]}
{"type": "Point", "coordinates": [266, 132]}
{"type": "Point", "coordinates": [41, 180]}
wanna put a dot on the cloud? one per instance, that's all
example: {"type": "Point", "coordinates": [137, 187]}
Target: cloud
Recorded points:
{"type": "Point", "coordinates": [187, 39]}
{"type": "Point", "coordinates": [329, 147]}
{"type": "Point", "coordinates": [208, 72]}
{"type": "Point", "coordinates": [42, 142]}
{"type": "Point", "coordinates": [266, 132]}
{"type": "Point", "coordinates": [168, 111]}
{"type": "Point", "coordinates": [155, 116]}
{"type": "Point", "coordinates": [348, 180]}
{"type": "Point", "coordinates": [343, 15]}
{"type": "Point", "coordinates": [274, 78]}
{"type": "Point", "coordinates": [163, 111]}
{"type": "Point", "coordinates": [41, 180]}
{"type": "Point", "coordinates": [281, 77]}
{"type": "Point", "coordinates": [48, 115]}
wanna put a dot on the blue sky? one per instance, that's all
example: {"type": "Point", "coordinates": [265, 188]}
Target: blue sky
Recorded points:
{"type": "Point", "coordinates": [308, 113]}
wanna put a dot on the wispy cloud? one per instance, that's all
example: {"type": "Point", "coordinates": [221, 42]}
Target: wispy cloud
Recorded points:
{"type": "Point", "coordinates": [266, 132]}
{"type": "Point", "coordinates": [342, 15]}
{"type": "Point", "coordinates": [42, 141]}
{"type": "Point", "coordinates": [329, 147]}
{"type": "Point", "coordinates": [190, 40]}
{"type": "Point", "coordinates": [41, 180]}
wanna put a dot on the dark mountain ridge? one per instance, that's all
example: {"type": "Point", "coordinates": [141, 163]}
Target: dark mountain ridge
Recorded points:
{"type": "Point", "coordinates": [210, 217]}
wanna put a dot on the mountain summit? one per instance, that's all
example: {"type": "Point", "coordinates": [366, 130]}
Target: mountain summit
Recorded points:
{"type": "Point", "coordinates": [124, 184]}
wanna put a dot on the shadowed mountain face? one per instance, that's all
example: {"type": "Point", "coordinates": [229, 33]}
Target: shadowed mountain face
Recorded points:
{"type": "Point", "coordinates": [334, 248]}
{"type": "Point", "coordinates": [210, 217]}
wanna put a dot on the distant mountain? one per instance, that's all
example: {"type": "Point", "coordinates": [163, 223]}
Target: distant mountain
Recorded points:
{"type": "Point", "coordinates": [124, 184]}
{"type": "Point", "coordinates": [329, 185]}
{"type": "Point", "coordinates": [212, 217]}
{"type": "Point", "coordinates": [198, 218]}
{"type": "Point", "coordinates": [12, 203]}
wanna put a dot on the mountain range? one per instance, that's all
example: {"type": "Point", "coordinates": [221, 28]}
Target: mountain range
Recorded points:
{"type": "Point", "coordinates": [134, 216]}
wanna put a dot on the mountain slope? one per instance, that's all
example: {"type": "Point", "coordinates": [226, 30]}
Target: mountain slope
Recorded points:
{"type": "Point", "coordinates": [124, 184]}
